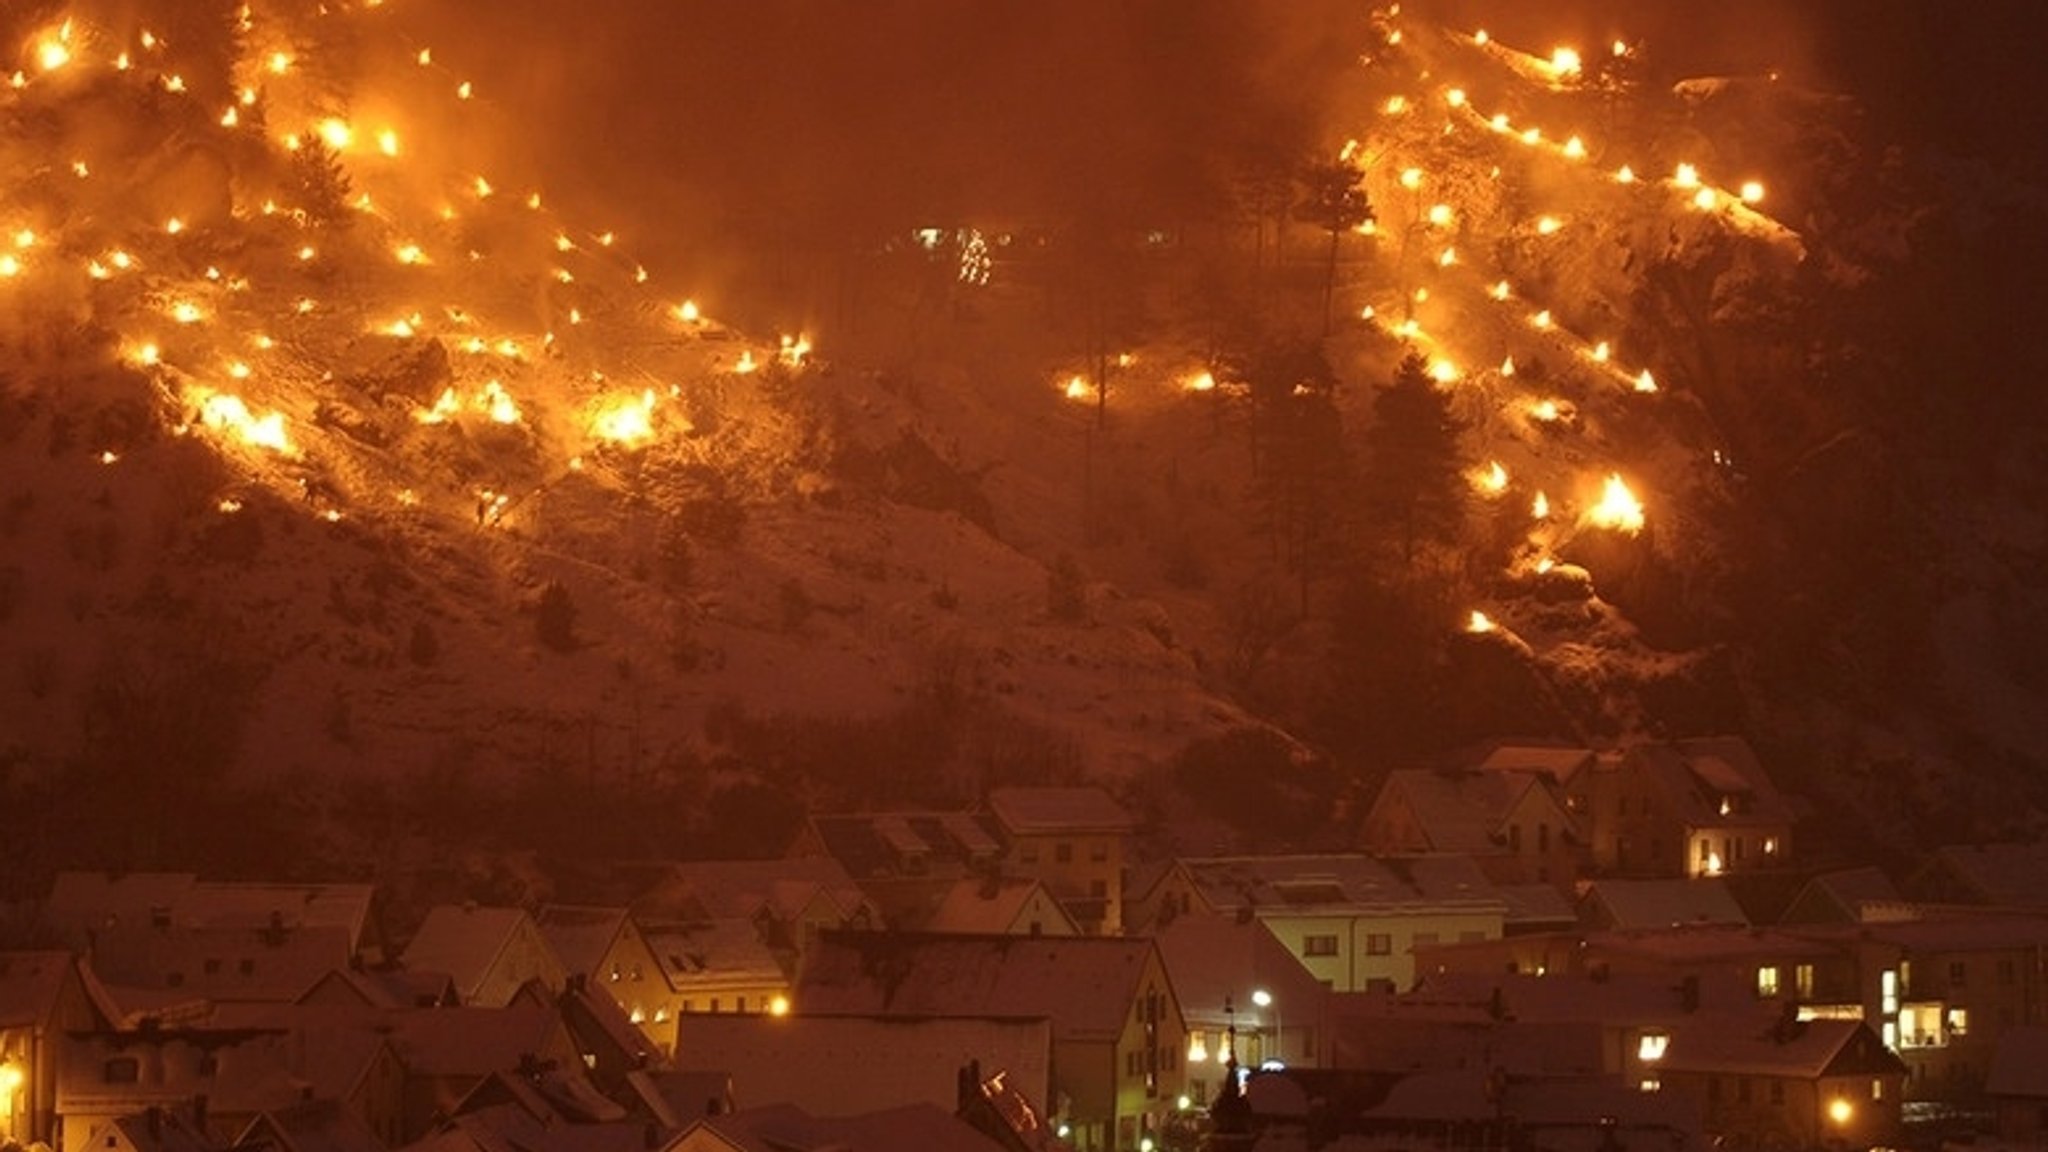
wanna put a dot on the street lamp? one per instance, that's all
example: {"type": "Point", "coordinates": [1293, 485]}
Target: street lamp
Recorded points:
{"type": "Point", "coordinates": [1264, 1000]}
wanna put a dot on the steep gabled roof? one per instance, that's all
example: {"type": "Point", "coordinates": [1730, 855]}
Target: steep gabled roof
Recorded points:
{"type": "Point", "coordinates": [994, 904]}
{"type": "Point", "coordinates": [1713, 781]}
{"type": "Point", "coordinates": [466, 942]}
{"type": "Point", "coordinates": [582, 935]}
{"type": "Point", "coordinates": [1732, 1044]}
{"type": "Point", "coordinates": [310, 1126]}
{"type": "Point", "coordinates": [713, 952]}
{"type": "Point", "coordinates": [1626, 904]}
{"type": "Point", "coordinates": [1342, 884]}
{"type": "Point", "coordinates": [784, 1128]}
{"type": "Point", "coordinates": [31, 985]}
{"type": "Point", "coordinates": [1084, 984]}
{"type": "Point", "coordinates": [784, 888]}
{"type": "Point", "coordinates": [1051, 811]}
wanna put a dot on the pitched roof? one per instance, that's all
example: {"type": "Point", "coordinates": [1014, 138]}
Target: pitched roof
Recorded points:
{"type": "Point", "coordinates": [1560, 763]}
{"type": "Point", "coordinates": [30, 984]}
{"type": "Point", "coordinates": [992, 904]}
{"type": "Point", "coordinates": [1719, 1043]}
{"type": "Point", "coordinates": [785, 1128]}
{"type": "Point", "coordinates": [1084, 984]}
{"type": "Point", "coordinates": [310, 1126]}
{"type": "Point", "coordinates": [1042, 811]}
{"type": "Point", "coordinates": [878, 845]}
{"type": "Point", "coordinates": [2011, 875]}
{"type": "Point", "coordinates": [1214, 959]}
{"type": "Point", "coordinates": [91, 902]}
{"type": "Point", "coordinates": [742, 888]}
{"type": "Point", "coordinates": [581, 934]}
{"type": "Point", "coordinates": [216, 963]}
{"type": "Point", "coordinates": [1348, 883]}
{"type": "Point", "coordinates": [1850, 893]}
{"type": "Point", "coordinates": [1713, 781]}
{"type": "Point", "coordinates": [464, 941]}
{"type": "Point", "coordinates": [1662, 903]}
{"type": "Point", "coordinates": [708, 952]}
{"type": "Point", "coordinates": [1464, 811]}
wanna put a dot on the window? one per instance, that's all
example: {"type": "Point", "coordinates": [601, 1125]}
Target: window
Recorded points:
{"type": "Point", "coordinates": [1767, 980]}
{"type": "Point", "coordinates": [1515, 838]}
{"type": "Point", "coordinates": [1063, 852]}
{"type": "Point", "coordinates": [247, 967]}
{"type": "Point", "coordinates": [1319, 945]}
{"type": "Point", "coordinates": [1802, 980]}
{"type": "Point", "coordinates": [1958, 1021]}
{"type": "Point", "coordinates": [1958, 974]}
{"type": "Point", "coordinates": [122, 1070]}
{"type": "Point", "coordinates": [1651, 1084]}
{"type": "Point", "coordinates": [1651, 1046]}
{"type": "Point", "coordinates": [740, 1005]}
{"type": "Point", "coordinates": [213, 965]}
{"type": "Point", "coordinates": [714, 1004]}
{"type": "Point", "coordinates": [1379, 944]}
{"type": "Point", "coordinates": [1876, 1089]}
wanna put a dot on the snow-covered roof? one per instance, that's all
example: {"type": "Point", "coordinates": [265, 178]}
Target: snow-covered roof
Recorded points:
{"type": "Point", "coordinates": [1341, 884]}
{"type": "Point", "coordinates": [2009, 875]}
{"type": "Point", "coordinates": [183, 961]}
{"type": "Point", "coordinates": [581, 935]}
{"type": "Point", "coordinates": [891, 844]}
{"type": "Point", "coordinates": [706, 953]}
{"type": "Point", "coordinates": [464, 941]}
{"type": "Point", "coordinates": [1051, 811]}
{"type": "Point", "coordinates": [836, 1065]}
{"type": "Point", "coordinates": [83, 903]}
{"type": "Point", "coordinates": [473, 1041]}
{"type": "Point", "coordinates": [994, 904]}
{"type": "Point", "coordinates": [785, 1128]}
{"type": "Point", "coordinates": [30, 985]}
{"type": "Point", "coordinates": [311, 1126]}
{"type": "Point", "coordinates": [1720, 1043]}
{"type": "Point", "coordinates": [1661, 903]}
{"type": "Point", "coordinates": [784, 887]}
{"type": "Point", "coordinates": [1084, 984]}
{"type": "Point", "coordinates": [1464, 811]}
{"type": "Point", "coordinates": [1213, 960]}
{"type": "Point", "coordinates": [1560, 764]}
{"type": "Point", "coordinates": [1713, 781]}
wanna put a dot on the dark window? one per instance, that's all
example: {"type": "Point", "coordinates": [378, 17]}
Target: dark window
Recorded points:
{"type": "Point", "coordinates": [1323, 945]}
{"type": "Point", "coordinates": [1958, 974]}
{"type": "Point", "coordinates": [212, 965]}
{"type": "Point", "coordinates": [1063, 852]}
{"type": "Point", "coordinates": [122, 1070]}
{"type": "Point", "coordinates": [1379, 944]}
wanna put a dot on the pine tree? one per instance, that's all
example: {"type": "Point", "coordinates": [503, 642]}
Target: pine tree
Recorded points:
{"type": "Point", "coordinates": [1412, 476]}
{"type": "Point", "coordinates": [1334, 200]}
{"type": "Point", "coordinates": [320, 184]}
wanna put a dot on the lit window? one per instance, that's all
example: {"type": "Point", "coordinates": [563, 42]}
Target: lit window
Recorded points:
{"type": "Point", "coordinates": [1652, 1045]}
{"type": "Point", "coordinates": [1876, 1089]}
{"type": "Point", "coordinates": [1767, 980]}
{"type": "Point", "coordinates": [1958, 1021]}
{"type": "Point", "coordinates": [1651, 1084]}
{"type": "Point", "coordinates": [1802, 980]}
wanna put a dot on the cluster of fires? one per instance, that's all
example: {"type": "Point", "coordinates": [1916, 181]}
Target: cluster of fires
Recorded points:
{"type": "Point", "coordinates": [285, 217]}
{"type": "Point", "coordinates": [547, 323]}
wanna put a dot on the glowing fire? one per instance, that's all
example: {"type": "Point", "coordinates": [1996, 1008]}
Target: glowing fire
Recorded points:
{"type": "Point", "coordinates": [1752, 192]}
{"type": "Point", "coordinates": [1645, 382]}
{"type": "Point", "coordinates": [1618, 509]}
{"type": "Point", "coordinates": [1566, 62]}
{"type": "Point", "coordinates": [1539, 508]}
{"type": "Point", "coordinates": [1491, 480]}
{"type": "Point", "coordinates": [1202, 382]}
{"type": "Point", "coordinates": [626, 421]}
{"type": "Point", "coordinates": [1480, 623]}
{"type": "Point", "coordinates": [223, 411]}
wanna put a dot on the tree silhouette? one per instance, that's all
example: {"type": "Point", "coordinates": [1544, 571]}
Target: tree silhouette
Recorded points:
{"type": "Point", "coordinates": [1334, 200]}
{"type": "Point", "coordinates": [1412, 483]}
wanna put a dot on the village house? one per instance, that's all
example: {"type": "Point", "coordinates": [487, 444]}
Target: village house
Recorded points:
{"type": "Point", "coordinates": [842, 1065]}
{"type": "Point", "coordinates": [1353, 921]}
{"type": "Point", "coordinates": [1698, 807]}
{"type": "Point", "coordinates": [1511, 811]}
{"type": "Point", "coordinates": [716, 966]}
{"type": "Point", "coordinates": [790, 899]}
{"type": "Point", "coordinates": [42, 997]}
{"type": "Point", "coordinates": [1788, 1084]}
{"type": "Point", "coordinates": [1072, 841]}
{"type": "Point", "coordinates": [1237, 983]}
{"type": "Point", "coordinates": [1118, 1033]}
{"type": "Point", "coordinates": [491, 953]}
{"type": "Point", "coordinates": [82, 906]}
{"type": "Point", "coordinates": [608, 950]}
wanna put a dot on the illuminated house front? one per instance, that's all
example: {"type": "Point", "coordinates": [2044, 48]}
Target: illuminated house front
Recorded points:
{"type": "Point", "coordinates": [1700, 807]}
